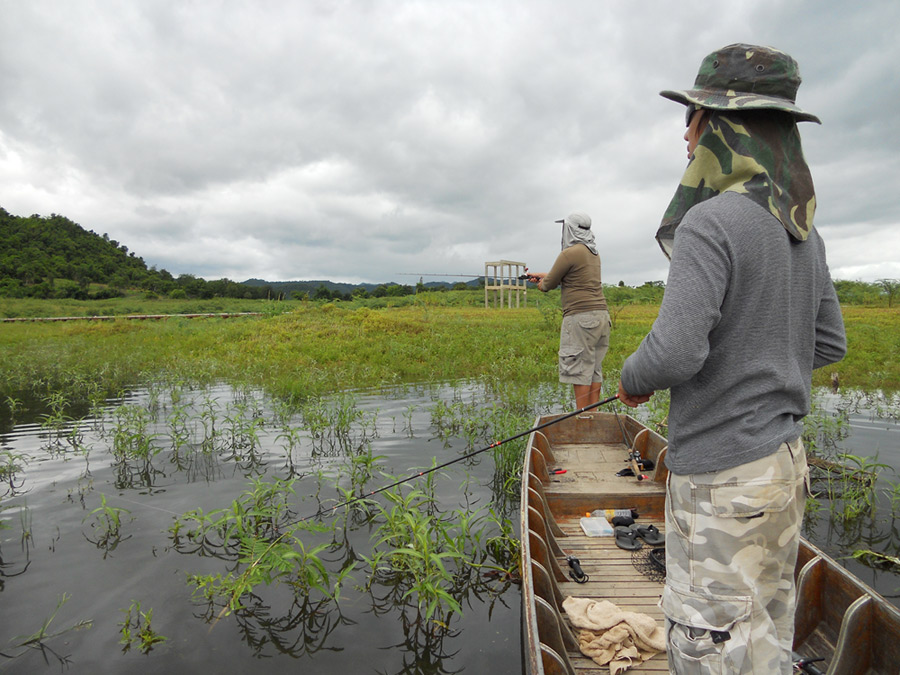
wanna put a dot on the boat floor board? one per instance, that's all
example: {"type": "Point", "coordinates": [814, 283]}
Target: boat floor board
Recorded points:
{"type": "Point", "coordinates": [613, 577]}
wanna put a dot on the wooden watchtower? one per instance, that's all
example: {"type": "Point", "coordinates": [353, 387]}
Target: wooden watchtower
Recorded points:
{"type": "Point", "coordinates": [501, 281]}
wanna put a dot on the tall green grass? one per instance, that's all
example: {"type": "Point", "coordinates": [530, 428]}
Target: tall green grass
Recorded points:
{"type": "Point", "coordinates": [314, 350]}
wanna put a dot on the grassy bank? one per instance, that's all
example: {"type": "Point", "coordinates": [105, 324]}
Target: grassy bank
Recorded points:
{"type": "Point", "coordinates": [314, 349]}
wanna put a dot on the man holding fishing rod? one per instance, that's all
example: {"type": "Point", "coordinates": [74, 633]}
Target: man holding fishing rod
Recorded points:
{"type": "Point", "coordinates": [749, 311]}
{"type": "Point", "coordinates": [584, 335]}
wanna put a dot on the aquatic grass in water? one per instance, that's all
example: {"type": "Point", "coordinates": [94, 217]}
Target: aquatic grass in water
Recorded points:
{"type": "Point", "coordinates": [137, 630]}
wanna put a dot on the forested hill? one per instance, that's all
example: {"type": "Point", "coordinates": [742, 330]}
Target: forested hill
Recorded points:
{"type": "Point", "coordinates": [54, 257]}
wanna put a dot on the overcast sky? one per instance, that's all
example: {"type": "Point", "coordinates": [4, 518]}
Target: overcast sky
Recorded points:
{"type": "Point", "coordinates": [363, 141]}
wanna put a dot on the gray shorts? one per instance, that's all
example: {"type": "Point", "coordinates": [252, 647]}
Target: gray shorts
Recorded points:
{"type": "Point", "coordinates": [583, 343]}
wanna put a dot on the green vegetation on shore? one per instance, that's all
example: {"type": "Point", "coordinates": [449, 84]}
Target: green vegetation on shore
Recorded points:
{"type": "Point", "coordinates": [314, 349]}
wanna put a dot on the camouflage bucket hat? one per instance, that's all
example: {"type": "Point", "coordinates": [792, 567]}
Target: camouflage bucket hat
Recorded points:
{"type": "Point", "coordinates": [746, 77]}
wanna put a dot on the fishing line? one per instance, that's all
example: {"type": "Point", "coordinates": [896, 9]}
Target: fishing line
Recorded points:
{"type": "Point", "coordinates": [144, 504]}
{"type": "Point", "coordinates": [495, 444]}
{"type": "Point", "coordinates": [625, 435]}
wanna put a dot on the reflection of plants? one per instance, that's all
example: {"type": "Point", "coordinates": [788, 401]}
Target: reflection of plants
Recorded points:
{"type": "Point", "coordinates": [256, 534]}
{"type": "Point", "coordinates": [107, 524]}
{"type": "Point", "coordinates": [38, 640]}
{"type": "Point", "coordinates": [137, 631]}
{"type": "Point", "coordinates": [332, 420]}
{"type": "Point", "coordinates": [408, 416]}
{"type": "Point", "coordinates": [26, 542]}
{"type": "Point", "coordinates": [178, 426]}
{"type": "Point", "coordinates": [244, 427]}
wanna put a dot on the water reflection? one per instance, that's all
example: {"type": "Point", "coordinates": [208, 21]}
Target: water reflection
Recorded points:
{"type": "Point", "coordinates": [855, 472]}
{"type": "Point", "coordinates": [302, 629]}
{"type": "Point", "coordinates": [168, 451]}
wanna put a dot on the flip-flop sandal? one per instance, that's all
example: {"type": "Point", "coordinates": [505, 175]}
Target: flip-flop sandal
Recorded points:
{"type": "Point", "coordinates": [626, 538]}
{"type": "Point", "coordinates": [657, 557]}
{"type": "Point", "coordinates": [650, 534]}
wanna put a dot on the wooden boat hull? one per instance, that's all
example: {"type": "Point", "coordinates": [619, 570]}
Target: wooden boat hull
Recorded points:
{"type": "Point", "coordinates": [838, 617]}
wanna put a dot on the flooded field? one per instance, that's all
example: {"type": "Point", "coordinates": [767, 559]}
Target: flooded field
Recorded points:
{"type": "Point", "coordinates": [130, 535]}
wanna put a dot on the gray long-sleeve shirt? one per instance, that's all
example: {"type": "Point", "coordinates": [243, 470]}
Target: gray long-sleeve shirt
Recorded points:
{"type": "Point", "coordinates": [748, 313]}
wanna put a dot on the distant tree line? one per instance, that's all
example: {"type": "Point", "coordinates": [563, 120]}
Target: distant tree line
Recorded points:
{"type": "Point", "coordinates": [863, 293]}
{"type": "Point", "coordinates": [54, 257]}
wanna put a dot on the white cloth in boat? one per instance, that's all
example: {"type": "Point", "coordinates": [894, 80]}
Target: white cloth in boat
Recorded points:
{"type": "Point", "coordinates": [610, 635]}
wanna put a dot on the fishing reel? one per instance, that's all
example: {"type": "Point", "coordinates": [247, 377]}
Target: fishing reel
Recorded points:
{"type": "Point", "coordinates": [577, 574]}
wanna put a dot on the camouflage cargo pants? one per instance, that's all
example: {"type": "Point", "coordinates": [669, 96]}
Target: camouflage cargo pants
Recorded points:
{"type": "Point", "coordinates": [731, 546]}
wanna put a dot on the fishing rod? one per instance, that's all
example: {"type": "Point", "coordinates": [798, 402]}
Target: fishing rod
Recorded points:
{"type": "Point", "coordinates": [495, 444]}
{"type": "Point", "coordinates": [634, 455]}
{"type": "Point", "coordinates": [425, 274]}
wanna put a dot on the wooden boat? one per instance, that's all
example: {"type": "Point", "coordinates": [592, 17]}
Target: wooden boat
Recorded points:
{"type": "Point", "coordinates": [569, 470]}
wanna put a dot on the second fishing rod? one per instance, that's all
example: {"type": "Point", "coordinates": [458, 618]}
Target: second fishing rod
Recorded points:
{"type": "Point", "coordinates": [425, 472]}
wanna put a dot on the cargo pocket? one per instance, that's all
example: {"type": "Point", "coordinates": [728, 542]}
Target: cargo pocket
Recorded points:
{"type": "Point", "coordinates": [707, 633]}
{"type": "Point", "coordinates": [568, 360]}
{"type": "Point", "coordinates": [587, 321]}
{"type": "Point", "coordinates": [749, 499]}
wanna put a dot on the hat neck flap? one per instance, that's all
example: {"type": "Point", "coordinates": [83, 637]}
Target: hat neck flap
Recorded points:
{"type": "Point", "coordinates": [571, 235]}
{"type": "Point", "coordinates": [758, 156]}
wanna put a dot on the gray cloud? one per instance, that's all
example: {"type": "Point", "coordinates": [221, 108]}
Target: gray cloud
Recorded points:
{"type": "Point", "coordinates": [361, 140]}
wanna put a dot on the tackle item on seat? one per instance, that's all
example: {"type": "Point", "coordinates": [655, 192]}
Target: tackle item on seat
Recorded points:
{"type": "Point", "coordinates": [596, 527]}
{"type": "Point", "coordinates": [623, 521]}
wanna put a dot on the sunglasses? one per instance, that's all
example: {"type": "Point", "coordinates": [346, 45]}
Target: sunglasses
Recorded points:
{"type": "Point", "coordinates": [689, 111]}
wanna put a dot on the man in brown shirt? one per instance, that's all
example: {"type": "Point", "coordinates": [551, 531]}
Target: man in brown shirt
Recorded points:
{"type": "Point", "coordinates": [584, 336]}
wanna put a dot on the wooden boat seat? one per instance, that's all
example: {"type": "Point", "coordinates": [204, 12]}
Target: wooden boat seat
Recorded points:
{"type": "Point", "coordinates": [854, 646]}
{"type": "Point", "coordinates": [660, 471]}
{"type": "Point", "coordinates": [592, 451]}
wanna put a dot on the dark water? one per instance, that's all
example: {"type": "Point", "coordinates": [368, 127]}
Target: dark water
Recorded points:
{"type": "Point", "coordinates": [50, 544]}
{"type": "Point", "coordinates": [872, 433]}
